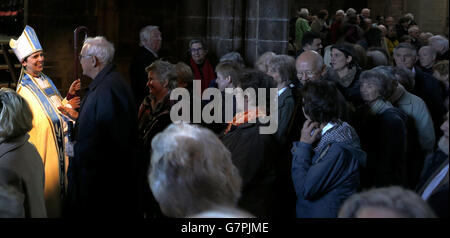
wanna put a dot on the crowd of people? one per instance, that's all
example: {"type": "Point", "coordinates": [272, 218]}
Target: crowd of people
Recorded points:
{"type": "Point", "coordinates": [362, 128]}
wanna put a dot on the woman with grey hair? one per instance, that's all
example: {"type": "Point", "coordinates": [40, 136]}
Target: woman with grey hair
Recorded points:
{"type": "Point", "coordinates": [262, 63]}
{"type": "Point", "coordinates": [154, 115]}
{"type": "Point", "coordinates": [192, 173]}
{"type": "Point", "coordinates": [387, 202]}
{"type": "Point", "coordinates": [21, 168]}
{"type": "Point", "coordinates": [383, 134]}
{"type": "Point", "coordinates": [233, 56]}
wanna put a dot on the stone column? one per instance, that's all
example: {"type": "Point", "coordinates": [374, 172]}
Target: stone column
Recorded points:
{"type": "Point", "coordinates": [266, 28]}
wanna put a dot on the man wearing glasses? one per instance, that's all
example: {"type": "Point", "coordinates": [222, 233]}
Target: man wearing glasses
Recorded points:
{"type": "Point", "coordinates": [201, 67]}
{"type": "Point", "coordinates": [102, 175]}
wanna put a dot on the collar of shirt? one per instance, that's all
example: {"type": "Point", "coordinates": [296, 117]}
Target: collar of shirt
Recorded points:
{"type": "Point", "coordinates": [151, 51]}
{"type": "Point", "coordinates": [434, 183]}
{"type": "Point", "coordinates": [414, 71]}
{"type": "Point", "coordinates": [281, 91]}
{"type": "Point", "coordinates": [327, 127]}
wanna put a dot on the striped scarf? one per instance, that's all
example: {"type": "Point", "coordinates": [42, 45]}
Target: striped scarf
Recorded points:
{"type": "Point", "coordinates": [246, 116]}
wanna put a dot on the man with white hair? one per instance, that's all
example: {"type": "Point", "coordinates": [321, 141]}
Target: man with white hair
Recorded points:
{"type": "Point", "coordinates": [103, 173]}
{"type": "Point", "coordinates": [426, 86]}
{"type": "Point", "coordinates": [150, 44]}
{"type": "Point", "coordinates": [440, 44]}
{"type": "Point", "coordinates": [427, 58]}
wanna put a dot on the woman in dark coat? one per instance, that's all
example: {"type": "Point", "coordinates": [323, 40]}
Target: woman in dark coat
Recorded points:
{"type": "Point", "coordinates": [21, 168]}
{"type": "Point", "coordinates": [326, 174]}
{"type": "Point", "coordinates": [384, 134]}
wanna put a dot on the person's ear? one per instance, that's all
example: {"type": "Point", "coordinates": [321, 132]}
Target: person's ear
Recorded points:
{"type": "Point", "coordinates": [349, 59]}
{"type": "Point", "coordinates": [24, 63]}
{"type": "Point", "coordinates": [228, 79]}
{"type": "Point", "coordinates": [323, 70]}
{"type": "Point", "coordinates": [95, 61]}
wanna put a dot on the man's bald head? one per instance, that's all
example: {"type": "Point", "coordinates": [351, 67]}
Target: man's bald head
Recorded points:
{"type": "Point", "coordinates": [309, 66]}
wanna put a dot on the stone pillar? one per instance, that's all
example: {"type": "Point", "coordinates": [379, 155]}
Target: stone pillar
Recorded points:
{"type": "Point", "coordinates": [266, 28]}
{"type": "Point", "coordinates": [225, 26]}
{"type": "Point", "coordinates": [429, 15]}
{"type": "Point", "coordinates": [191, 24]}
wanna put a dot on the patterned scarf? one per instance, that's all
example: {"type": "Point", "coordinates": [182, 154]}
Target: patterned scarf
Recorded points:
{"type": "Point", "coordinates": [246, 116]}
{"type": "Point", "coordinates": [342, 132]}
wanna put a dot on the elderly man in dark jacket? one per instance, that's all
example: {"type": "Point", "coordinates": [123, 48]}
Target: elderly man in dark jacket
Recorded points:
{"type": "Point", "coordinates": [426, 86]}
{"type": "Point", "coordinates": [103, 175]}
{"type": "Point", "coordinates": [327, 174]}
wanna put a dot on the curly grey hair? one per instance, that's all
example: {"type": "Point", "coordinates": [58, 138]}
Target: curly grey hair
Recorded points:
{"type": "Point", "coordinates": [191, 171]}
{"type": "Point", "coordinates": [405, 203]}
{"type": "Point", "coordinates": [16, 118]}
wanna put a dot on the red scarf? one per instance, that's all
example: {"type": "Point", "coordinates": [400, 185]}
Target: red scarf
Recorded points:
{"type": "Point", "coordinates": [244, 117]}
{"type": "Point", "coordinates": [208, 73]}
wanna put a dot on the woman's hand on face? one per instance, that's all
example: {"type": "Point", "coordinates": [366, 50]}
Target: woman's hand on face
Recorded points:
{"type": "Point", "coordinates": [310, 132]}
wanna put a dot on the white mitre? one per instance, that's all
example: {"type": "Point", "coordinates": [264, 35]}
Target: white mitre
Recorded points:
{"type": "Point", "coordinates": [26, 44]}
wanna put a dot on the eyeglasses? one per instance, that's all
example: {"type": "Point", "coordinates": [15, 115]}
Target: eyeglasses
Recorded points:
{"type": "Point", "coordinates": [308, 74]}
{"type": "Point", "coordinates": [196, 50]}
{"type": "Point", "coordinates": [80, 56]}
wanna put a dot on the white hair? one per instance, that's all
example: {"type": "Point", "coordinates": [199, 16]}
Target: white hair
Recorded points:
{"type": "Point", "coordinates": [340, 11]}
{"type": "Point", "coordinates": [409, 16]}
{"type": "Point", "coordinates": [412, 28]}
{"type": "Point", "coordinates": [100, 48]}
{"type": "Point", "coordinates": [304, 12]}
{"type": "Point", "coordinates": [439, 40]}
{"type": "Point", "coordinates": [429, 49]}
{"type": "Point", "coordinates": [144, 34]}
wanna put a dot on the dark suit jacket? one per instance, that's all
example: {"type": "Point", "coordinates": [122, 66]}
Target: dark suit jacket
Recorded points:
{"type": "Point", "coordinates": [103, 173]}
{"type": "Point", "coordinates": [138, 76]}
{"type": "Point", "coordinates": [427, 87]}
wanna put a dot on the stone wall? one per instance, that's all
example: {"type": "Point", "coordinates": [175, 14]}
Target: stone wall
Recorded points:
{"type": "Point", "coordinates": [250, 27]}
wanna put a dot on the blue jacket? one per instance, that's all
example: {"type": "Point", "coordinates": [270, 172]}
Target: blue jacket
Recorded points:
{"type": "Point", "coordinates": [325, 179]}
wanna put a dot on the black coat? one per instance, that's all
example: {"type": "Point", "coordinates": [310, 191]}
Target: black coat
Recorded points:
{"type": "Point", "coordinates": [384, 139]}
{"type": "Point", "coordinates": [427, 87]}
{"type": "Point", "coordinates": [102, 175]}
{"type": "Point", "coordinates": [254, 155]}
{"type": "Point", "coordinates": [138, 76]}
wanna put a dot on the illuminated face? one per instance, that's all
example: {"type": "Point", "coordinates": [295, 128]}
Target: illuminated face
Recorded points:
{"type": "Point", "coordinates": [156, 88]}
{"type": "Point", "coordinates": [369, 92]}
{"type": "Point", "coordinates": [426, 58]}
{"type": "Point", "coordinates": [306, 71]}
{"type": "Point", "coordinates": [198, 53]}
{"type": "Point", "coordinates": [316, 46]}
{"type": "Point", "coordinates": [222, 82]}
{"type": "Point", "coordinates": [155, 40]}
{"type": "Point", "coordinates": [34, 63]}
{"type": "Point", "coordinates": [338, 60]}
{"type": "Point", "coordinates": [405, 58]}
